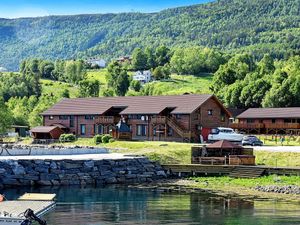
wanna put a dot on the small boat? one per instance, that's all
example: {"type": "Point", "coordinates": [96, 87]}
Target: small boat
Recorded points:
{"type": "Point", "coordinates": [27, 209]}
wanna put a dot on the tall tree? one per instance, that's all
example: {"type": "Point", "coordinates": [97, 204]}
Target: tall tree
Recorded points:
{"type": "Point", "coordinates": [117, 78]}
{"type": "Point", "coordinates": [139, 59]}
{"type": "Point", "coordinates": [5, 117]}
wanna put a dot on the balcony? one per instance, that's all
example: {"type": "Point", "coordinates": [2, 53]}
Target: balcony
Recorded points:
{"type": "Point", "coordinates": [247, 125]}
{"type": "Point", "coordinates": [105, 120]}
{"type": "Point", "coordinates": [282, 125]}
{"type": "Point", "coordinates": [159, 119]}
{"type": "Point", "coordinates": [241, 126]}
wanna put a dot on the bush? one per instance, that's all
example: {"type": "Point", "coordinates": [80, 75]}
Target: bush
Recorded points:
{"type": "Point", "coordinates": [106, 138]}
{"type": "Point", "coordinates": [67, 138]}
{"type": "Point", "coordinates": [111, 140]}
{"type": "Point", "coordinates": [98, 139]}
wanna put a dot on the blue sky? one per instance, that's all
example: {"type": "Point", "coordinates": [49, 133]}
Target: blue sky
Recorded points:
{"type": "Point", "coordinates": [33, 8]}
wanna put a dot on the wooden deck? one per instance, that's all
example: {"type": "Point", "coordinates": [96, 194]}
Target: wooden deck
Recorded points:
{"type": "Point", "coordinates": [228, 170]}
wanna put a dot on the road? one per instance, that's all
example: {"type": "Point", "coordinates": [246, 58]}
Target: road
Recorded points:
{"type": "Point", "coordinates": [278, 148]}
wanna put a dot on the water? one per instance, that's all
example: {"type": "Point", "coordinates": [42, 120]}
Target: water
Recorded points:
{"type": "Point", "coordinates": [122, 205]}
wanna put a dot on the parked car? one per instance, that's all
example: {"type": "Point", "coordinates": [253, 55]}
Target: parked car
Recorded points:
{"type": "Point", "coordinates": [251, 140]}
{"type": "Point", "coordinates": [223, 133]}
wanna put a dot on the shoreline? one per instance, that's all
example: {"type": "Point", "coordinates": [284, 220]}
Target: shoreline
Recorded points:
{"type": "Point", "coordinates": [189, 186]}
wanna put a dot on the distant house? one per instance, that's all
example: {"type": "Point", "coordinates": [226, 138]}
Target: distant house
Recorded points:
{"type": "Point", "coordinates": [143, 76]}
{"type": "Point", "coordinates": [97, 62]}
{"type": "Point", "coordinates": [269, 121]}
{"type": "Point", "coordinates": [124, 59]}
{"type": "Point", "coordinates": [157, 118]}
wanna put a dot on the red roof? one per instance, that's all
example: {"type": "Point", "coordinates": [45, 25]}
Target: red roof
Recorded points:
{"type": "Point", "coordinates": [223, 144]}
{"type": "Point", "coordinates": [270, 113]}
{"type": "Point", "coordinates": [43, 129]}
{"type": "Point", "coordinates": [182, 104]}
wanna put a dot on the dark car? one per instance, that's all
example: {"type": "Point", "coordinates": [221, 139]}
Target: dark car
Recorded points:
{"type": "Point", "coordinates": [251, 140]}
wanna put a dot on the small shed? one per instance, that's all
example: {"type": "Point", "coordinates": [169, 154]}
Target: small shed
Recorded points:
{"type": "Point", "coordinates": [46, 132]}
{"type": "Point", "coordinates": [122, 131]}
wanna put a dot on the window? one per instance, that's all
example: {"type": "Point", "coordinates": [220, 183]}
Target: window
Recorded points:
{"type": "Point", "coordinates": [72, 121]}
{"type": "Point", "coordinates": [210, 112]}
{"type": "Point", "coordinates": [273, 120]}
{"type": "Point", "coordinates": [98, 129]}
{"type": "Point", "coordinates": [141, 130]}
{"type": "Point", "coordinates": [287, 121]}
{"type": "Point", "coordinates": [170, 131]}
{"type": "Point", "coordinates": [63, 117]}
{"type": "Point", "coordinates": [250, 120]}
{"type": "Point", "coordinates": [82, 129]}
{"type": "Point", "coordinates": [89, 117]}
{"type": "Point", "coordinates": [178, 116]}
{"type": "Point", "coordinates": [51, 117]}
{"type": "Point", "coordinates": [222, 116]}
{"type": "Point", "coordinates": [154, 131]}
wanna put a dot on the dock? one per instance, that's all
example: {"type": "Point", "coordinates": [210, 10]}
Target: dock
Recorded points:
{"type": "Point", "coordinates": [12, 212]}
{"type": "Point", "coordinates": [237, 171]}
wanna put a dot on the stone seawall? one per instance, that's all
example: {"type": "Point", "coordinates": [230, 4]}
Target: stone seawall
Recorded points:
{"type": "Point", "coordinates": [78, 172]}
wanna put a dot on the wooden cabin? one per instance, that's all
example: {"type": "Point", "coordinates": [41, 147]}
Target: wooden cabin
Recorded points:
{"type": "Point", "coordinates": [269, 121]}
{"type": "Point", "coordinates": [154, 118]}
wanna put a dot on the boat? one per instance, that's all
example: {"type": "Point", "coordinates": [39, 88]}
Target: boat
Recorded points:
{"type": "Point", "coordinates": [27, 209]}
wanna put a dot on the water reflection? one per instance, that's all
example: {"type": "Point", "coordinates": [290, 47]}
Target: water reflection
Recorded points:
{"type": "Point", "coordinates": [122, 205]}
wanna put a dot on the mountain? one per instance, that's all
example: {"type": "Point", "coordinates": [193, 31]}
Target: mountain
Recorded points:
{"type": "Point", "coordinates": [231, 25]}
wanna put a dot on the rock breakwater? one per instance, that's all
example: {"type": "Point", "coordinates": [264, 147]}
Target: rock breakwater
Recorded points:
{"type": "Point", "coordinates": [78, 172]}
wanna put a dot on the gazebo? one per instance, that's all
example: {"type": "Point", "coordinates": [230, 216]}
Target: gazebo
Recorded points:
{"type": "Point", "coordinates": [223, 152]}
{"type": "Point", "coordinates": [122, 131]}
{"type": "Point", "coordinates": [223, 148]}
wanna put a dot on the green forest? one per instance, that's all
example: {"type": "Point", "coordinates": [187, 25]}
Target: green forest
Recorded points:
{"type": "Point", "coordinates": [256, 27]}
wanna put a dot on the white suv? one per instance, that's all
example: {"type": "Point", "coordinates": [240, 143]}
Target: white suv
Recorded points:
{"type": "Point", "coordinates": [223, 133]}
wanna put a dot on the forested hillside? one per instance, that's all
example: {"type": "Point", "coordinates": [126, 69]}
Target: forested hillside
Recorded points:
{"type": "Point", "coordinates": [269, 26]}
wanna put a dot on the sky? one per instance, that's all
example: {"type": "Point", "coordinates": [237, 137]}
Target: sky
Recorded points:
{"type": "Point", "coordinates": [34, 8]}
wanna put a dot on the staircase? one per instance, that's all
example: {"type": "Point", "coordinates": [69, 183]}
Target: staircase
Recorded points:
{"type": "Point", "coordinates": [186, 135]}
{"type": "Point", "coordinates": [246, 172]}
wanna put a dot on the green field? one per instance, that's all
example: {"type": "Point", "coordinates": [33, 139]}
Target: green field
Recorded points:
{"type": "Point", "coordinates": [57, 87]}
{"type": "Point", "coordinates": [177, 84]}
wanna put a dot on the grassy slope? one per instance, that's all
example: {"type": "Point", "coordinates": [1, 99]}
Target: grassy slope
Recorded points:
{"type": "Point", "coordinates": [57, 88]}
{"type": "Point", "coordinates": [178, 84]}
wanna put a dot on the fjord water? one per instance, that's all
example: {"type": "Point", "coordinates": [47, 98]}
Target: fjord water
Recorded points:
{"type": "Point", "coordinates": [123, 205]}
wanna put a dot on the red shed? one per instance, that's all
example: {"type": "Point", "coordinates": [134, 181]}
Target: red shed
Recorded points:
{"type": "Point", "coordinates": [46, 132]}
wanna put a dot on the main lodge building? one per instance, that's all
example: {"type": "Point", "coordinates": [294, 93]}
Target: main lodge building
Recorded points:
{"type": "Point", "coordinates": [168, 118]}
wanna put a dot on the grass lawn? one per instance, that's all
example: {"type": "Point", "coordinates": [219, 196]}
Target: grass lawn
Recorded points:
{"type": "Point", "coordinates": [57, 88]}
{"type": "Point", "coordinates": [244, 187]}
{"type": "Point", "coordinates": [275, 140]}
{"type": "Point", "coordinates": [173, 152]}
{"type": "Point", "coordinates": [179, 84]}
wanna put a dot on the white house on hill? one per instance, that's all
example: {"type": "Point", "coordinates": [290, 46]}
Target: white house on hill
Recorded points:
{"type": "Point", "coordinates": [143, 76]}
{"type": "Point", "coordinates": [97, 62]}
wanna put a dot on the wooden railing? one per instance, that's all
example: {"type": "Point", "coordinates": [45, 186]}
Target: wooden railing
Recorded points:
{"type": "Point", "coordinates": [282, 125]}
{"type": "Point", "coordinates": [247, 125]}
{"type": "Point", "coordinates": [105, 120]}
{"type": "Point", "coordinates": [159, 119]}
{"type": "Point", "coordinates": [265, 125]}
